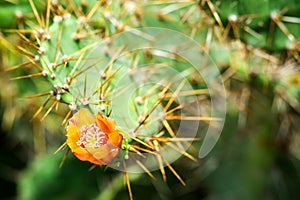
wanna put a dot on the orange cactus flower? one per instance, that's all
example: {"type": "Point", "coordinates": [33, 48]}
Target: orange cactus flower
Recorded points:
{"type": "Point", "coordinates": [93, 138]}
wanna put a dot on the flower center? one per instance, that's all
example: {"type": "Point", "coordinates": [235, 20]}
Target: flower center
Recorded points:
{"type": "Point", "coordinates": [91, 137]}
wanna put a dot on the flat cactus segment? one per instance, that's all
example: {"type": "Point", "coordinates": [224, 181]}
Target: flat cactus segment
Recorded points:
{"type": "Point", "coordinates": [61, 52]}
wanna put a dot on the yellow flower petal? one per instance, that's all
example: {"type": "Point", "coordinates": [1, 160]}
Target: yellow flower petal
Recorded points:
{"type": "Point", "coordinates": [86, 137]}
{"type": "Point", "coordinates": [106, 124]}
{"type": "Point", "coordinates": [79, 152]}
{"type": "Point", "coordinates": [83, 117]}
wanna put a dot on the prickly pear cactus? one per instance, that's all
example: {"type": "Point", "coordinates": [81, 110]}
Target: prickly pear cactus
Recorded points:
{"type": "Point", "coordinates": [136, 99]}
{"type": "Point", "coordinates": [123, 87]}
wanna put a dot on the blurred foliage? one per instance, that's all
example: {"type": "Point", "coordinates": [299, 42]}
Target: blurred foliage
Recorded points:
{"type": "Point", "coordinates": [255, 44]}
